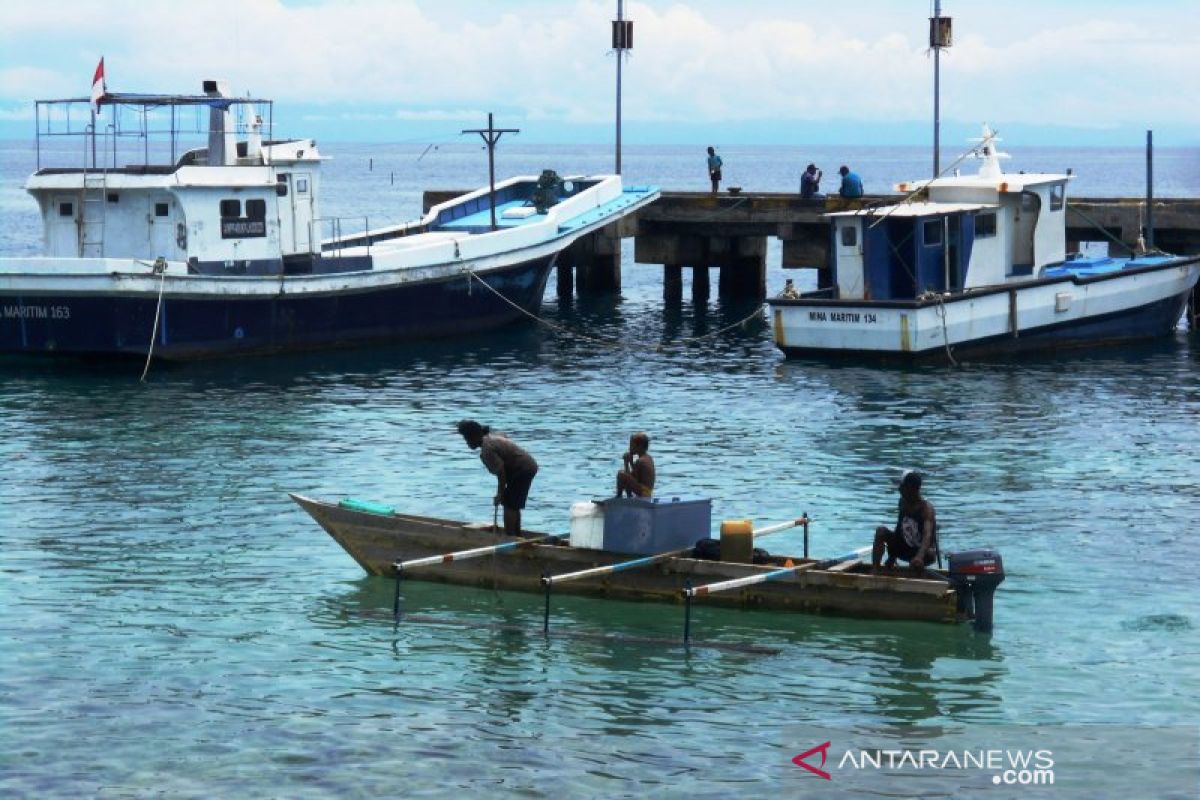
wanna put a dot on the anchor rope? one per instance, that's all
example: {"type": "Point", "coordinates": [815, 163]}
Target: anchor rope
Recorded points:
{"type": "Point", "coordinates": [610, 343]}
{"type": "Point", "coordinates": [160, 266]}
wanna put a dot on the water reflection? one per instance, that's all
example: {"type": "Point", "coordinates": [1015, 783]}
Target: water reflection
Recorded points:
{"type": "Point", "coordinates": [907, 672]}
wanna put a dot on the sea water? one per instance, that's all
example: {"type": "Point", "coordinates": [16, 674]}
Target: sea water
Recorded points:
{"type": "Point", "coordinates": [171, 624]}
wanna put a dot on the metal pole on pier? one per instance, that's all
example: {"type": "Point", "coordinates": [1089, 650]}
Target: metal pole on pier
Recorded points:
{"type": "Point", "coordinates": [1150, 190]}
{"type": "Point", "coordinates": [491, 135]}
{"type": "Point", "coordinates": [939, 37]}
{"type": "Point", "coordinates": [622, 40]}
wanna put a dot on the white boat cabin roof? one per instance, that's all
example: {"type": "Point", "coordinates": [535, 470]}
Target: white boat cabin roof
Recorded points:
{"type": "Point", "coordinates": [1003, 183]}
{"type": "Point", "coordinates": [921, 209]}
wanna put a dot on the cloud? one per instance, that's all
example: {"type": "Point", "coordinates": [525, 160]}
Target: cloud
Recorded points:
{"type": "Point", "coordinates": [697, 62]}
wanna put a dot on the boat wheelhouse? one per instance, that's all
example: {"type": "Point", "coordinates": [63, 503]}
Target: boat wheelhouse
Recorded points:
{"type": "Point", "coordinates": [973, 265]}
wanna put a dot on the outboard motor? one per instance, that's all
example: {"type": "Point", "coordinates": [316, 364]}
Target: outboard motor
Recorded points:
{"type": "Point", "coordinates": [975, 574]}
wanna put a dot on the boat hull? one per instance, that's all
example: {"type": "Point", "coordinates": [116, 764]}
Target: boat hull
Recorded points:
{"type": "Point", "coordinates": [1049, 314]}
{"type": "Point", "coordinates": [194, 325]}
{"type": "Point", "coordinates": [379, 540]}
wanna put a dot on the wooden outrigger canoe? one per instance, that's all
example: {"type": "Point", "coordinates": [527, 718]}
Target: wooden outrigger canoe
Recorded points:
{"type": "Point", "coordinates": [379, 539]}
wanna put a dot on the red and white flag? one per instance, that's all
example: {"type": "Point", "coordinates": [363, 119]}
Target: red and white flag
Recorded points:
{"type": "Point", "coordinates": [98, 87]}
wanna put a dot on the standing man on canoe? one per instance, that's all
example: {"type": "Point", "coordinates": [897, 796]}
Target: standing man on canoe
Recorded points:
{"type": "Point", "coordinates": [636, 479]}
{"type": "Point", "coordinates": [915, 538]}
{"type": "Point", "coordinates": [513, 467]}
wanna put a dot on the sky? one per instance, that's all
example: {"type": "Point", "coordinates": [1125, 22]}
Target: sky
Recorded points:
{"type": "Point", "coordinates": [1070, 72]}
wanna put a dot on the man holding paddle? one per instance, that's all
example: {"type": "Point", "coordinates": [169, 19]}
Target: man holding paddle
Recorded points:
{"type": "Point", "coordinates": [513, 467]}
{"type": "Point", "coordinates": [915, 537]}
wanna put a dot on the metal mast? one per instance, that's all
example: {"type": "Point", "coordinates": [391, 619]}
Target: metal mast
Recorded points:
{"type": "Point", "coordinates": [490, 136]}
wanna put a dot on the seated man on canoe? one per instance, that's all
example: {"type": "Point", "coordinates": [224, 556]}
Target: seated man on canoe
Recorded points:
{"type": "Point", "coordinates": [914, 538]}
{"type": "Point", "coordinates": [513, 467]}
{"type": "Point", "coordinates": [636, 479]}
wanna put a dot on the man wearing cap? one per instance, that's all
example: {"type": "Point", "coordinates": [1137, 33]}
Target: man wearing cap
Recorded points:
{"type": "Point", "coordinates": [915, 537]}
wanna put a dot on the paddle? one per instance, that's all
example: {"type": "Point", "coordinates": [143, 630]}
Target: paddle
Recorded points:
{"type": "Point", "coordinates": [549, 580]}
{"type": "Point", "coordinates": [750, 580]}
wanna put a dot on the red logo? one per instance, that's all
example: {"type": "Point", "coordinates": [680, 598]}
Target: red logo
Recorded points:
{"type": "Point", "coordinates": [799, 761]}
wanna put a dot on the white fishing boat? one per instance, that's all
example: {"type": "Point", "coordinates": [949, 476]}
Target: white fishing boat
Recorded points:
{"type": "Point", "coordinates": [973, 265]}
{"type": "Point", "coordinates": [223, 250]}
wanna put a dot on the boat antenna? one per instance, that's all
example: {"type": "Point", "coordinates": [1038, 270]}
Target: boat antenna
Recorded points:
{"type": "Point", "coordinates": [939, 38]}
{"type": "Point", "coordinates": [490, 136]}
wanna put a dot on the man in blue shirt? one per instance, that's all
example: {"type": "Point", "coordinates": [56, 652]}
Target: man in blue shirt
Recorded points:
{"type": "Point", "coordinates": [851, 183]}
{"type": "Point", "coordinates": [714, 169]}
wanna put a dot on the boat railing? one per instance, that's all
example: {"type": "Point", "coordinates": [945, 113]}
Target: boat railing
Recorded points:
{"type": "Point", "coordinates": [337, 241]}
{"type": "Point", "coordinates": [159, 126]}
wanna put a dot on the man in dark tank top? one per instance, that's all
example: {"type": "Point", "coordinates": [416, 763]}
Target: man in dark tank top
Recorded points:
{"type": "Point", "coordinates": [914, 538]}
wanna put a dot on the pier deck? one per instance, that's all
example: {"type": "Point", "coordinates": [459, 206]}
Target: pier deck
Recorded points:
{"type": "Point", "coordinates": [729, 232]}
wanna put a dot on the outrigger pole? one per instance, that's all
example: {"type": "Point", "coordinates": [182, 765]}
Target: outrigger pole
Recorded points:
{"type": "Point", "coordinates": [548, 581]}
{"type": "Point", "coordinates": [691, 592]}
{"type": "Point", "coordinates": [461, 555]}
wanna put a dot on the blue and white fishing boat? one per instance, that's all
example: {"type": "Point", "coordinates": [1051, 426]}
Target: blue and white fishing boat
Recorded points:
{"type": "Point", "coordinates": [976, 265]}
{"type": "Point", "coordinates": [223, 250]}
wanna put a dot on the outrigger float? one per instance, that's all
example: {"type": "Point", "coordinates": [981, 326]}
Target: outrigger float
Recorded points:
{"type": "Point", "coordinates": [388, 543]}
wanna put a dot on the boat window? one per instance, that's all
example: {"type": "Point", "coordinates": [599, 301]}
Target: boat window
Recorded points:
{"type": "Point", "coordinates": [256, 209]}
{"type": "Point", "coordinates": [931, 232]}
{"type": "Point", "coordinates": [985, 225]}
{"type": "Point", "coordinates": [231, 208]}
{"type": "Point", "coordinates": [66, 209]}
{"type": "Point", "coordinates": [849, 236]}
{"type": "Point", "coordinates": [161, 210]}
{"type": "Point", "coordinates": [1056, 197]}
{"type": "Point", "coordinates": [301, 185]}
{"type": "Point", "coordinates": [113, 197]}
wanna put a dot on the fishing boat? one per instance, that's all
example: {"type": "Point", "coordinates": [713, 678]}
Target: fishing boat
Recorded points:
{"type": "Point", "coordinates": [223, 249]}
{"type": "Point", "coordinates": [976, 265]}
{"type": "Point", "coordinates": [388, 543]}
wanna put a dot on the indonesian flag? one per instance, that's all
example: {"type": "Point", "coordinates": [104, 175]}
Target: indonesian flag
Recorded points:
{"type": "Point", "coordinates": [98, 88]}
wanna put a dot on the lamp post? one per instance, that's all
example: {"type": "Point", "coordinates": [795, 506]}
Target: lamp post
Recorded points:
{"type": "Point", "coordinates": [622, 40]}
{"type": "Point", "coordinates": [939, 37]}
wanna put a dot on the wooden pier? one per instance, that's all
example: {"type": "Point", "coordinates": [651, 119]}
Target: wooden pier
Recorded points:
{"type": "Point", "coordinates": [728, 232]}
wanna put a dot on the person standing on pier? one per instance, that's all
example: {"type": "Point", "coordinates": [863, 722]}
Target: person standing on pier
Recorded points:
{"type": "Point", "coordinates": [851, 184]}
{"type": "Point", "coordinates": [513, 467]}
{"type": "Point", "coordinates": [636, 479]}
{"type": "Point", "coordinates": [914, 538]}
{"type": "Point", "coordinates": [810, 182]}
{"type": "Point", "coordinates": [714, 169]}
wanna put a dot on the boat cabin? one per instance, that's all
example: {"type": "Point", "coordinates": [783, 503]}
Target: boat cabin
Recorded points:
{"type": "Point", "coordinates": [234, 206]}
{"type": "Point", "coordinates": [951, 234]}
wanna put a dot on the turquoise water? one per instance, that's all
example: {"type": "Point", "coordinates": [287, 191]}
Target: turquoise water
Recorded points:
{"type": "Point", "coordinates": [171, 624]}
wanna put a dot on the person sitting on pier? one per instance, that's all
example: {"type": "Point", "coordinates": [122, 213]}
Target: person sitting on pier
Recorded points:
{"type": "Point", "coordinates": [714, 169]}
{"type": "Point", "coordinates": [636, 479]}
{"type": "Point", "coordinates": [513, 467]}
{"type": "Point", "coordinates": [852, 186]}
{"type": "Point", "coordinates": [915, 537]}
{"type": "Point", "coordinates": [810, 182]}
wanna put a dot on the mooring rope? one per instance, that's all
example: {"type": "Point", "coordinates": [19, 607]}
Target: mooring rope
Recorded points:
{"type": "Point", "coordinates": [160, 267]}
{"type": "Point", "coordinates": [616, 345]}
{"type": "Point", "coordinates": [941, 310]}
